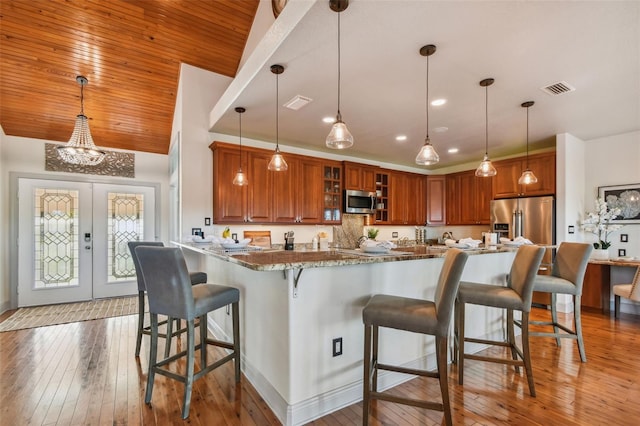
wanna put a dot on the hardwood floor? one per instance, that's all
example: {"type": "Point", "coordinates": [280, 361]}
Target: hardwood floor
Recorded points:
{"type": "Point", "coordinates": [85, 373]}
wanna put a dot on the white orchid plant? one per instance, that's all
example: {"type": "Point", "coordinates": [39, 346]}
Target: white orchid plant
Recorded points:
{"type": "Point", "coordinates": [599, 223]}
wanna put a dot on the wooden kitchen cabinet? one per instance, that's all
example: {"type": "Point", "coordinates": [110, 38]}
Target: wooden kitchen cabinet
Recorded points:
{"type": "Point", "coordinates": [294, 196]}
{"type": "Point", "coordinates": [359, 177]}
{"type": "Point", "coordinates": [436, 200]}
{"type": "Point", "coordinates": [407, 199]}
{"type": "Point", "coordinates": [382, 198]}
{"type": "Point", "coordinates": [505, 183]}
{"type": "Point", "coordinates": [468, 199]}
{"type": "Point", "coordinates": [332, 192]}
{"type": "Point", "coordinates": [229, 201]}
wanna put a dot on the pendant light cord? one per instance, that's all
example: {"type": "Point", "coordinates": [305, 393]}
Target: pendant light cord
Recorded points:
{"type": "Point", "coordinates": [527, 138]}
{"type": "Point", "coordinates": [277, 122]}
{"type": "Point", "coordinates": [240, 121]}
{"type": "Point", "coordinates": [339, 115]}
{"type": "Point", "coordinates": [486, 120]}
{"type": "Point", "coordinates": [81, 98]}
{"type": "Point", "coordinates": [427, 99]}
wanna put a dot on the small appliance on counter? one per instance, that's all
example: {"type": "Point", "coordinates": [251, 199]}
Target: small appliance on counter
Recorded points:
{"type": "Point", "coordinates": [288, 240]}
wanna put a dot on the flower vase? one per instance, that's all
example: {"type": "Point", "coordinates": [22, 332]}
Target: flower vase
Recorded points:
{"type": "Point", "coordinates": [600, 254]}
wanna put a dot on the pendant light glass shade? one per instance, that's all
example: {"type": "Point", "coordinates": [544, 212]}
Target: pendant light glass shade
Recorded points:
{"type": "Point", "coordinates": [240, 178]}
{"type": "Point", "coordinates": [277, 163]}
{"type": "Point", "coordinates": [486, 169]}
{"type": "Point", "coordinates": [339, 137]}
{"type": "Point", "coordinates": [81, 149]}
{"type": "Point", "coordinates": [527, 177]}
{"type": "Point", "coordinates": [427, 154]}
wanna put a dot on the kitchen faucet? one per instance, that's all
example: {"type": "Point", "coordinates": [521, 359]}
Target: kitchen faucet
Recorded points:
{"type": "Point", "coordinates": [447, 236]}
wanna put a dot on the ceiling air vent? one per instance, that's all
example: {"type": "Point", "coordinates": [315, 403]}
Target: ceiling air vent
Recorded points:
{"type": "Point", "coordinates": [297, 102]}
{"type": "Point", "coordinates": [558, 88]}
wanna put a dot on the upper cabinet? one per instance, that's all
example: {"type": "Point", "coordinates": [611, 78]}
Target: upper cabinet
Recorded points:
{"type": "Point", "coordinates": [360, 177]}
{"type": "Point", "coordinates": [505, 183]}
{"type": "Point", "coordinates": [436, 203]}
{"type": "Point", "coordinates": [332, 185]}
{"type": "Point", "coordinates": [294, 196]}
{"type": "Point", "coordinates": [407, 198]}
{"type": "Point", "coordinates": [468, 199]}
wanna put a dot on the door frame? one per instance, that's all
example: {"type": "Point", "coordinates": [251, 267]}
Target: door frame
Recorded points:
{"type": "Point", "coordinates": [14, 215]}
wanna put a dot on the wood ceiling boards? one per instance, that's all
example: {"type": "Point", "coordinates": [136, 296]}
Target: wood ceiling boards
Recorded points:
{"type": "Point", "coordinates": [129, 50]}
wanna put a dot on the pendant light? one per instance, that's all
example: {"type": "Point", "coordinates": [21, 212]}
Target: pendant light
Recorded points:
{"type": "Point", "coordinates": [80, 149]}
{"type": "Point", "coordinates": [240, 179]}
{"type": "Point", "coordinates": [486, 169]}
{"type": "Point", "coordinates": [527, 177]}
{"type": "Point", "coordinates": [277, 163]}
{"type": "Point", "coordinates": [339, 137]}
{"type": "Point", "coordinates": [427, 154]}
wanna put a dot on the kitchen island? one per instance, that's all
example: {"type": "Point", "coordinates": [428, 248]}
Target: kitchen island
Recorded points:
{"type": "Point", "coordinates": [293, 304]}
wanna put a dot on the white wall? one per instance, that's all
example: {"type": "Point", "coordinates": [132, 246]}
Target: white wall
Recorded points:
{"type": "Point", "coordinates": [4, 219]}
{"type": "Point", "coordinates": [613, 160]}
{"type": "Point", "coordinates": [569, 187]}
{"type": "Point", "coordinates": [26, 155]}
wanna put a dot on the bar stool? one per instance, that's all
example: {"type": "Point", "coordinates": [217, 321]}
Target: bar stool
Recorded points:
{"type": "Point", "coordinates": [516, 296]}
{"type": "Point", "coordinates": [417, 316]}
{"type": "Point", "coordinates": [628, 291]}
{"type": "Point", "coordinates": [567, 277]}
{"type": "Point", "coordinates": [195, 277]}
{"type": "Point", "coordinates": [170, 293]}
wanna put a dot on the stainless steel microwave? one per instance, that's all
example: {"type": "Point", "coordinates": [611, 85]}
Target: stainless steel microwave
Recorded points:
{"type": "Point", "coordinates": [359, 202]}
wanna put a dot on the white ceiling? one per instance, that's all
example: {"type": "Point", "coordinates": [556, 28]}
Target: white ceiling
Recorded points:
{"type": "Point", "coordinates": [524, 46]}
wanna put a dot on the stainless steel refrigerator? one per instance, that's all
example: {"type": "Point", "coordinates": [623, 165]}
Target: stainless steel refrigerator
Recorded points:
{"type": "Point", "coordinates": [532, 218]}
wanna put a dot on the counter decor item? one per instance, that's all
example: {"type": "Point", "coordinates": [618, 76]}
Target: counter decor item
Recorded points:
{"type": "Point", "coordinates": [372, 233]}
{"type": "Point", "coordinates": [599, 223]}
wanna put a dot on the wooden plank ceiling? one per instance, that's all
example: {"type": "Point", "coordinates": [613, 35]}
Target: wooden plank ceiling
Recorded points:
{"type": "Point", "coordinates": [130, 51]}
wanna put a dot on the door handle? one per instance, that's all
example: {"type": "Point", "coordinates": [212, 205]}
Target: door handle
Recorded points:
{"type": "Point", "coordinates": [87, 247]}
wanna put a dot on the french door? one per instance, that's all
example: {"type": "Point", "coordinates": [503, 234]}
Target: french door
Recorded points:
{"type": "Point", "coordinates": [73, 239]}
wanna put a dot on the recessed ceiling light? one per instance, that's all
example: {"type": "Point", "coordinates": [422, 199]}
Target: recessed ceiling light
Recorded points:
{"type": "Point", "coordinates": [440, 129]}
{"type": "Point", "coordinates": [401, 138]}
{"type": "Point", "coordinates": [438, 102]}
{"type": "Point", "coordinates": [329, 120]}
{"type": "Point", "coordinates": [452, 150]}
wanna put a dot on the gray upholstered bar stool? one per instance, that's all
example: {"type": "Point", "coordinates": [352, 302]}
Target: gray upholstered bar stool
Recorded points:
{"type": "Point", "coordinates": [195, 277]}
{"type": "Point", "coordinates": [417, 316]}
{"type": "Point", "coordinates": [628, 291]}
{"type": "Point", "coordinates": [170, 293]}
{"type": "Point", "coordinates": [516, 296]}
{"type": "Point", "coordinates": [567, 277]}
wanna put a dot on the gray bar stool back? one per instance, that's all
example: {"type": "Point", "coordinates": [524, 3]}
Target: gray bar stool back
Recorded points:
{"type": "Point", "coordinates": [567, 277]}
{"type": "Point", "coordinates": [195, 277]}
{"type": "Point", "coordinates": [170, 293]}
{"type": "Point", "coordinates": [417, 316]}
{"type": "Point", "coordinates": [516, 296]}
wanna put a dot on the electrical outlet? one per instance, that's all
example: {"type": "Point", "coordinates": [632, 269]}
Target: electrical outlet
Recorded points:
{"type": "Point", "coordinates": [196, 231]}
{"type": "Point", "coordinates": [622, 252]}
{"type": "Point", "coordinates": [572, 229]}
{"type": "Point", "coordinates": [394, 235]}
{"type": "Point", "coordinates": [207, 221]}
{"type": "Point", "coordinates": [624, 238]}
{"type": "Point", "coordinates": [337, 346]}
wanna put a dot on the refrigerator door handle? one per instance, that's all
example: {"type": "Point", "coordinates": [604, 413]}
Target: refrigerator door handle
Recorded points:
{"type": "Point", "coordinates": [518, 224]}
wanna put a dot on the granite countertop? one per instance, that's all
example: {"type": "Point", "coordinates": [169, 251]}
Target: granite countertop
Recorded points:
{"type": "Point", "coordinates": [278, 260]}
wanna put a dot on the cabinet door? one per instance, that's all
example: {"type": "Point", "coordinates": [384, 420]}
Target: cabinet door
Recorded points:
{"type": "Point", "coordinates": [544, 167]}
{"type": "Point", "coordinates": [453, 199]}
{"type": "Point", "coordinates": [285, 193]}
{"type": "Point", "coordinates": [436, 200]}
{"type": "Point", "coordinates": [309, 191]}
{"type": "Point", "coordinates": [505, 183]}
{"type": "Point", "coordinates": [259, 188]}
{"type": "Point", "coordinates": [368, 179]}
{"type": "Point", "coordinates": [483, 197]}
{"type": "Point", "coordinates": [467, 196]}
{"type": "Point", "coordinates": [228, 199]}
{"type": "Point", "coordinates": [397, 198]}
{"type": "Point", "coordinates": [415, 200]}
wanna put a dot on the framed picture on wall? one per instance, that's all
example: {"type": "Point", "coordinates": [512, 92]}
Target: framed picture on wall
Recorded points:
{"type": "Point", "coordinates": [624, 197]}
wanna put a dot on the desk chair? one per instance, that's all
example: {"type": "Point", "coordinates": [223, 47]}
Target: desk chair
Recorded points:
{"type": "Point", "coordinates": [567, 277]}
{"type": "Point", "coordinates": [628, 291]}
{"type": "Point", "coordinates": [417, 316]}
{"type": "Point", "coordinates": [171, 293]}
{"type": "Point", "coordinates": [195, 277]}
{"type": "Point", "coordinates": [516, 296]}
